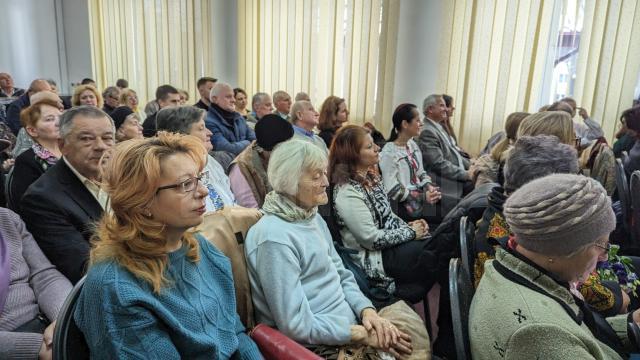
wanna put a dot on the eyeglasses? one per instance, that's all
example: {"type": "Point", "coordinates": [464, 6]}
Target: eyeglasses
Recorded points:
{"type": "Point", "coordinates": [188, 185]}
{"type": "Point", "coordinates": [606, 247]}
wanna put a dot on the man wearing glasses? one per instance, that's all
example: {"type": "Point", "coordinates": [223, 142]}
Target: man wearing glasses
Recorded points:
{"type": "Point", "coordinates": [110, 96]}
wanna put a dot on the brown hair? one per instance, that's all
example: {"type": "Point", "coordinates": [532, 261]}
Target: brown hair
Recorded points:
{"type": "Point", "coordinates": [329, 113]}
{"type": "Point", "coordinates": [344, 156]}
{"type": "Point", "coordinates": [511, 126]}
{"type": "Point", "coordinates": [75, 100]}
{"type": "Point", "coordinates": [30, 115]}
{"type": "Point", "coordinates": [126, 235]}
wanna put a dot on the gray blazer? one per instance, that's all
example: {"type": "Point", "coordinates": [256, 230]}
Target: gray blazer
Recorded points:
{"type": "Point", "coordinates": [440, 160]}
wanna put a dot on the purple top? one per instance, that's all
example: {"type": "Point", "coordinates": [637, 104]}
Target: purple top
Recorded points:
{"type": "Point", "coordinates": [5, 267]}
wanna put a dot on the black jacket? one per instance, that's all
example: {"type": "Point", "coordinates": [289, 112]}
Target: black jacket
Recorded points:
{"type": "Point", "coordinates": [60, 213]}
{"type": "Point", "coordinates": [27, 169]}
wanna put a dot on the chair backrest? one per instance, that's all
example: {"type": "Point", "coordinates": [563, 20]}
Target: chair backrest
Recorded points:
{"type": "Point", "coordinates": [461, 294]}
{"type": "Point", "coordinates": [634, 191]}
{"type": "Point", "coordinates": [622, 187]}
{"type": "Point", "coordinates": [624, 156]}
{"type": "Point", "coordinates": [68, 340]}
{"type": "Point", "coordinates": [227, 229]}
{"type": "Point", "coordinates": [604, 168]}
{"type": "Point", "coordinates": [467, 248]}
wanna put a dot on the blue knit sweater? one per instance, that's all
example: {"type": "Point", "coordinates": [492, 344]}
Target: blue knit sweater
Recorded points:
{"type": "Point", "coordinates": [193, 318]}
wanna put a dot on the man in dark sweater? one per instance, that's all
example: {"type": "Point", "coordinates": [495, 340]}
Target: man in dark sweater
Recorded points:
{"type": "Point", "coordinates": [205, 84]}
{"type": "Point", "coordinates": [166, 96]}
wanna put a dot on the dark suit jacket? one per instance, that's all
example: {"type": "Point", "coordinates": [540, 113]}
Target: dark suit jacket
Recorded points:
{"type": "Point", "coordinates": [60, 213]}
{"type": "Point", "coordinates": [440, 161]}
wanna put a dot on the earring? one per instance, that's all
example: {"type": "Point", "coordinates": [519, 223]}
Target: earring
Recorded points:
{"type": "Point", "coordinates": [550, 260]}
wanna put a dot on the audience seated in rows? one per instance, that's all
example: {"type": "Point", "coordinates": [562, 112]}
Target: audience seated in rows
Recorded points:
{"type": "Point", "coordinates": [282, 102]}
{"type": "Point", "coordinates": [166, 96]}
{"type": "Point", "coordinates": [304, 119]}
{"type": "Point", "coordinates": [31, 293]}
{"type": "Point", "coordinates": [61, 207]}
{"type": "Point", "coordinates": [40, 121]}
{"type": "Point", "coordinates": [333, 114]}
{"type": "Point", "coordinates": [248, 172]}
{"type": "Point", "coordinates": [86, 95]}
{"type": "Point", "coordinates": [524, 303]}
{"type": "Point", "coordinates": [22, 102]}
{"type": "Point", "coordinates": [127, 124]}
{"type": "Point", "coordinates": [391, 252]}
{"type": "Point", "coordinates": [262, 106]}
{"type": "Point", "coordinates": [441, 157]}
{"type": "Point", "coordinates": [410, 189]}
{"type": "Point", "coordinates": [229, 128]}
{"type": "Point", "coordinates": [204, 85]}
{"type": "Point", "coordinates": [298, 281]}
{"type": "Point", "coordinates": [189, 120]}
{"type": "Point", "coordinates": [488, 165]}
{"type": "Point", "coordinates": [7, 88]}
{"type": "Point", "coordinates": [154, 289]}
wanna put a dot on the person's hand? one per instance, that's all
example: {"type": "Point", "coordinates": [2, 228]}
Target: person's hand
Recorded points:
{"type": "Point", "coordinates": [7, 164]}
{"type": "Point", "coordinates": [433, 194]}
{"type": "Point", "coordinates": [46, 349]}
{"type": "Point", "coordinates": [472, 172]}
{"type": "Point", "coordinates": [625, 303]}
{"type": "Point", "coordinates": [420, 227]}
{"type": "Point", "coordinates": [583, 113]}
{"type": "Point", "coordinates": [636, 316]}
{"type": "Point", "coordinates": [382, 334]}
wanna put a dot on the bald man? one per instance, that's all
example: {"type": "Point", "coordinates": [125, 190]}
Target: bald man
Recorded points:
{"type": "Point", "coordinates": [13, 111]}
{"type": "Point", "coordinates": [7, 90]}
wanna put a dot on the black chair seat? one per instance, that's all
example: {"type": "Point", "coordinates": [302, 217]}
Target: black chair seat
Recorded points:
{"type": "Point", "coordinates": [68, 340]}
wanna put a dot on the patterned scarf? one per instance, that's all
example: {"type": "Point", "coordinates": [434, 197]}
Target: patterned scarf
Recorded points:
{"type": "Point", "coordinates": [44, 154]}
{"type": "Point", "coordinates": [281, 206]}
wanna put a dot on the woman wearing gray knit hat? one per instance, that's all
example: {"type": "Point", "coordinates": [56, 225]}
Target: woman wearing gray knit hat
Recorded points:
{"type": "Point", "coordinates": [525, 305]}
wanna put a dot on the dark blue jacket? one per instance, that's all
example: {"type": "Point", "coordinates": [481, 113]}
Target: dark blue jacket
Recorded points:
{"type": "Point", "coordinates": [13, 112]}
{"type": "Point", "coordinates": [227, 137]}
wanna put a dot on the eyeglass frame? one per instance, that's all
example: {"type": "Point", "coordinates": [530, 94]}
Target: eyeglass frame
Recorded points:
{"type": "Point", "coordinates": [606, 248]}
{"type": "Point", "coordinates": [201, 178]}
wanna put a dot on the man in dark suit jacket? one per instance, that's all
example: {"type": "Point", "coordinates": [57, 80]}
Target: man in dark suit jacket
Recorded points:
{"type": "Point", "coordinates": [166, 96]}
{"type": "Point", "coordinates": [442, 159]}
{"type": "Point", "coordinates": [61, 208]}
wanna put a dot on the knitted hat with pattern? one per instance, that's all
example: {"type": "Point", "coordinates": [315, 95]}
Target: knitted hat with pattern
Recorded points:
{"type": "Point", "coordinates": [557, 214]}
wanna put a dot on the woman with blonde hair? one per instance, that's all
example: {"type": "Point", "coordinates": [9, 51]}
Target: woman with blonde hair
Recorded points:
{"type": "Point", "coordinates": [86, 95]}
{"type": "Point", "coordinates": [556, 123]}
{"type": "Point", "coordinates": [154, 289]}
{"type": "Point", "coordinates": [488, 165]}
{"type": "Point", "coordinates": [129, 98]}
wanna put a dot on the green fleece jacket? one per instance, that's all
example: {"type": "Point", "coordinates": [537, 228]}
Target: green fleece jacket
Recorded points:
{"type": "Point", "coordinates": [512, 321]}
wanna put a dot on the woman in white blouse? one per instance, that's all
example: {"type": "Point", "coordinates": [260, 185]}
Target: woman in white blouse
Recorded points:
{"type": "Point", "coordinates": [409, 187]}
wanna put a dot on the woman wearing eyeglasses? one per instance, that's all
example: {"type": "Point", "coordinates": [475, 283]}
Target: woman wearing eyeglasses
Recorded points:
{"type": "Point", "coordinates": [154, 289]}
{"type": "Point", "coordinates": [525, 306]}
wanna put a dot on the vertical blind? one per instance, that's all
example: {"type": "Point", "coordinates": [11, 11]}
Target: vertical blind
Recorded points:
{"type": "Point", "coordinates": [151, 43]}
{"type": "Point", "coordinates": [323, 47]}
{"type": "Point", "coordinates": [495, 57]}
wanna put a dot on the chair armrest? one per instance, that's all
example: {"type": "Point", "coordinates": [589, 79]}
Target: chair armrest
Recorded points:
{"type": "Point", "coordinates": [275, 346]}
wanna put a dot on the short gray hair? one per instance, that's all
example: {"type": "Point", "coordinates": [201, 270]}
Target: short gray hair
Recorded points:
{"type": "Point", "coordinates": [533, 157]}
{"type": "Point", "coordinates": [217, 88]}
{"type": "Point", "coordinates": [258, 98]}
{"type": "Point", "coordinates": [178, 119]}
{"type": "Point", "coordinates": [289, 160]}
{"type": "Point", "coordinates": [430, 101]}
{"type": "Point", "coordinates": [297, 106]}
{"type": "Point", "coordinates": [111, 91]}
{"type": "Point", "coordinates": [280, 94]}
{"type": "Point", "coordinates": [66, 120]}
{"type": "Point", "coordinates": [302, 96]}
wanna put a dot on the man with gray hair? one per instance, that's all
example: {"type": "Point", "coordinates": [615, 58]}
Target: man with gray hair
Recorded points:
{"type": "Point", "coordinates": [62, 206]}
{"type": "Point", "coordinates": [304, 119]}
{"type": "Point", "coordinates": [262, 105]}
{"type": "Point", "coordinates": [13, 110]}
{"type": "Point", "coordinates": [441, 158]}
{"type": "Point", "coordinates": [230, 130]}
{"type": "Point", "coordinates": [302, 96]}
{"type": "Point", "coordinates": [7, 90]}
{"type": "Point", "coordinates": [282, 102]}
{"type": "Point", "coordinates": [111, 97]}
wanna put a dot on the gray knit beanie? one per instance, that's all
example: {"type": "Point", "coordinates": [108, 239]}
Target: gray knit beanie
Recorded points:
{"type": "Point", "coordinates": [559, 213]}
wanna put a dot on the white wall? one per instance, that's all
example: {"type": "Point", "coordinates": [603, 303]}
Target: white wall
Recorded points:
{"type": "Point", "coordinates": [418, 45]}
{"type": "Point", "coordinates": [29, 41]}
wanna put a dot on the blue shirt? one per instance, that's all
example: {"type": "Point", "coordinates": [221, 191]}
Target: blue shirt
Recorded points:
{"type": "Point", "coordinates": [194, 317]}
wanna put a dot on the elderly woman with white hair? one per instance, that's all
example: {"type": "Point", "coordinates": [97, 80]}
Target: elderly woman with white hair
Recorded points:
{"type": "Point", "coordinates": [524, 307]}
{"type": "Point", "coordinates": [298, 281]}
